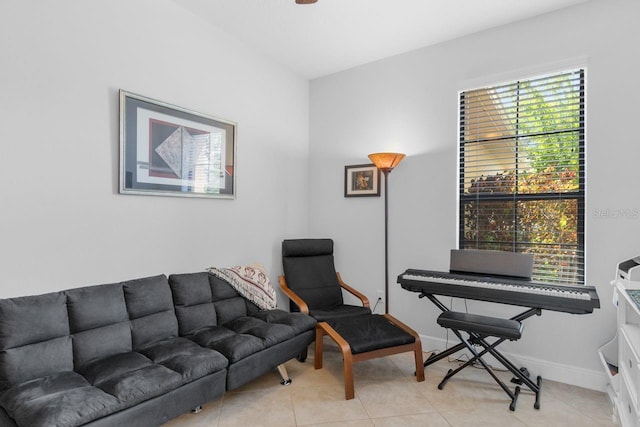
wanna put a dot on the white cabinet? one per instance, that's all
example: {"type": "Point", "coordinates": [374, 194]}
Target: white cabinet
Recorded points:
{"type": "Point", "coordinates": [621, 357]}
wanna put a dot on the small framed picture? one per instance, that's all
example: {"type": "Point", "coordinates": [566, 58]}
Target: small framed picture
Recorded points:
{"type": "Point", "coordinates": [361, 181]}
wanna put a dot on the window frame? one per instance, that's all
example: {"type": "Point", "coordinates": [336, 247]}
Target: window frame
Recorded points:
{"type": "Point", "coordinates": [579, 195]}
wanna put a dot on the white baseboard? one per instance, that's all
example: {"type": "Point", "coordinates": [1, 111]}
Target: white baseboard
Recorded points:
{"type": "Point", "coordinates": [568, 374]}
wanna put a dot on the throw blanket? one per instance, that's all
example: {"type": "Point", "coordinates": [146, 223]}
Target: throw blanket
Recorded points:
{"type": "Point", "coordinates": [249, 281]}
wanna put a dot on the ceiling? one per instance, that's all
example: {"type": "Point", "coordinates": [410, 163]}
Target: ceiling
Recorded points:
{"type": "Point", "coordinates": [333, 35]}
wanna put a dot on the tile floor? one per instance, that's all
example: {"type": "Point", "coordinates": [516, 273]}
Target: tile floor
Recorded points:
{"type": "Point", "coordinates": [387, 394]}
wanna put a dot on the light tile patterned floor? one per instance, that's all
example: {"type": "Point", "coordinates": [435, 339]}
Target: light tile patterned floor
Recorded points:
{"type": "Point", "coordinates": [387, 395]}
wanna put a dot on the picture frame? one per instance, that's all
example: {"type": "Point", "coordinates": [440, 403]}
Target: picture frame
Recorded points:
{"type": "Point", "coordinates": [166, 150]}
{"type": "Point", "coordinates": [361, 181]}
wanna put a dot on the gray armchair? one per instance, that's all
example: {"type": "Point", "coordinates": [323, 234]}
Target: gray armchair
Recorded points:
{"type": "Point", "coordinates": [315, 288]}
{"type": "Point", "coordinates": [312, 284]}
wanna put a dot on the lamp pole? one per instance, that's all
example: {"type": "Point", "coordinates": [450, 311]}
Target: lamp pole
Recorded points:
{"type": "Point", "coordinates": [386, 240]}
{"type": "Point", "coordinates": [385, 162]}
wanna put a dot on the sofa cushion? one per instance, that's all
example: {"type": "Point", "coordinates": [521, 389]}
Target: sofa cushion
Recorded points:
{"type": "Point", "coordinates": [220, 289]}
{"type": "Point", "coordinates": [141, 384]}
{"type": "Point", "coordinates": [95, 306]}
{"type": "Point", "coordinates": [190, 288]}
{"type": "Point", "coordinates": [230, 309]}
{"type": "Point", "coordinates": [208, 336]}
{"type": "Point", "coordinates": [99, 322]}
{"type": "Point", "coordinates": [150, 306]}
{"type": "Point", "coordinates": [236, 346]}
{"type": "Point", "coordinates": [147, 296]}
{"type": "Point", "coordinates": [27, 320]}
{"type": "Point", "coordinates": [299, 322]}
{"type": "Point", "coordinates": [131, 378]}
{"type": "Point", "coordinates": [35, 360]}
{"type": "Point", "coordinates": [63, 399]}
{"type": "Point", "coordinates": [100, 343]}
{"type": "Point", "coordinates": [186, 357]}
{"type": "Point", "coordinates": [105, 369]}
{"type": "Point", "coordinates": [230, 344]}
{"type": "Point", "coordinates": [247, 335]}
{"type": "Point", "coordinates": [154, 328]}
{"type": "Point", "coordinates": [34, 338]}
{"type": "Point", "coordinates": [239, 328]}
{"type": "Point", "coordinates": [270, 333]}
{"type": "Point", "coordinates": [229, 304]}
{"type": "Point", "coordinates": [195, 317]}
{"type": "Point", "coordinates": [193, 301]}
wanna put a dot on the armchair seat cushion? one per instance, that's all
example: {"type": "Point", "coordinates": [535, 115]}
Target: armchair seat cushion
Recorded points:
{"type": "Point", "coordinates": [63, 399]}
{"type": "Point", "coordinates": [368, 333]}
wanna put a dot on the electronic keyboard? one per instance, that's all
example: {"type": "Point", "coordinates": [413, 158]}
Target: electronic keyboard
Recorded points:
{"type": "Point", "coordinates": [504, 290]}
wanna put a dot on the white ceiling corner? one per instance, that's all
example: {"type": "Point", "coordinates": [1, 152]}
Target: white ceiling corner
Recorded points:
{"type": "Point", "coordinates": [333, 35]}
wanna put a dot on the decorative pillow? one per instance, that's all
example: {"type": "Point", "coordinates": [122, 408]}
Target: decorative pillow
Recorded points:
{"type": "Point", "coordinates": [249, 281]}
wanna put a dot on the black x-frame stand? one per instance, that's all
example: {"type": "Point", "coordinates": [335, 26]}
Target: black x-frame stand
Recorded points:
{"type": "Point", "coordinates": [521, 376]}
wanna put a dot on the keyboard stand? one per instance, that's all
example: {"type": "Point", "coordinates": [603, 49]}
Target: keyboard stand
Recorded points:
{"type": "Point", "coordinates": [479, 328]}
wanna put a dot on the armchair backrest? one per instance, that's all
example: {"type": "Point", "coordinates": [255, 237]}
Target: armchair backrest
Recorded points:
{"type": "Point", "coordinates": [310, 272]}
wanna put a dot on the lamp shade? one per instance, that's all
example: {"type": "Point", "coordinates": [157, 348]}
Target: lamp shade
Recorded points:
{"type": "Point", "coordinates": [386, 161]}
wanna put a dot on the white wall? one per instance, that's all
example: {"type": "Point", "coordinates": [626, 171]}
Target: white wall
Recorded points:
{"type": "Point", "coordinates": [408, 103]}
{"type": "Point", "coordinates": [62, 222]}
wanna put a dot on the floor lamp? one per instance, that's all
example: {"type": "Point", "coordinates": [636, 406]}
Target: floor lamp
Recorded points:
{"type": "Point", "coordinates": [385, 162]}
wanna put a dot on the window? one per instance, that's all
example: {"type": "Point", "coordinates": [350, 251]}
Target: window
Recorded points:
{"type": "Point", "coordinates": [522, 172]}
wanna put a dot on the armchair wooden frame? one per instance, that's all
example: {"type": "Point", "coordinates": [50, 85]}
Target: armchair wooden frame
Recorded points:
{"type": "Point", "coordinates": [323, 328]}
{"type": "Point", "coordinates": [348, 359]}
{"type": "Point", "coordinates": [304, 308]}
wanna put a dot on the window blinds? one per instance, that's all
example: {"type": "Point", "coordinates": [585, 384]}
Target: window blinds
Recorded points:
{"type": "Point", "coordinates": [522, 172]}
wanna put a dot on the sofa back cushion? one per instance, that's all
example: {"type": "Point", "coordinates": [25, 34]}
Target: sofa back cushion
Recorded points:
{"type": "Point", "coordinates": [193, 302]}
{"type": "Point", "coordinates": [202, 299]}
{"type": "Point", "coordinates": [150, 307]}
{"type": "Point", "coordinates": [34, 338]}
{"type": "Point", "coordinates": [99, 323]}
{"type": "Point", "coordinates": [229, 304]}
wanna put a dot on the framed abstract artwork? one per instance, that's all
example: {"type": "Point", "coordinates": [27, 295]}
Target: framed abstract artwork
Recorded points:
{"type": "Point", "coordinates": [361, 180]}
{"type": "Point", "coordinates": [172, 151]}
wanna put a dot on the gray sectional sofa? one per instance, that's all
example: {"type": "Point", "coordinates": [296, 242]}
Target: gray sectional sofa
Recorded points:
{"type": "Point", "coordinates": [136, 353]}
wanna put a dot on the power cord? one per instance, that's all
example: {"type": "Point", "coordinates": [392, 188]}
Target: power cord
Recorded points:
{"type": "Point", "coordinates": [464, 357]}
{"type": "Point", "coordinates": [376, 305]}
